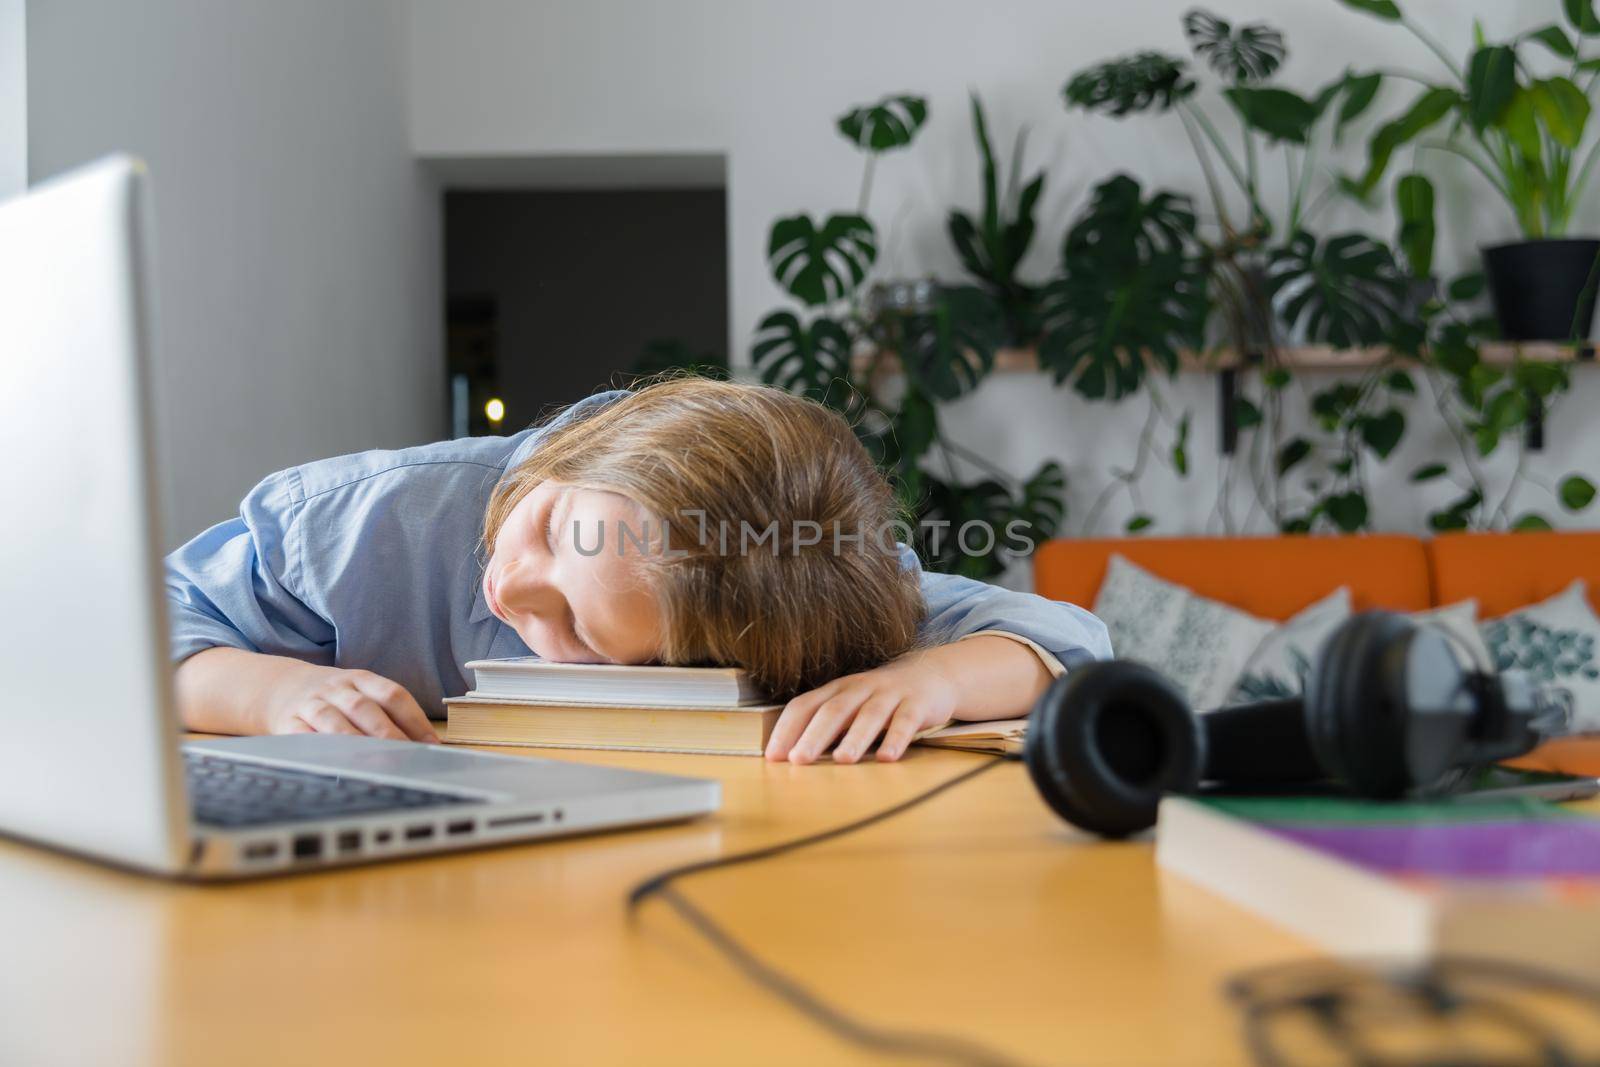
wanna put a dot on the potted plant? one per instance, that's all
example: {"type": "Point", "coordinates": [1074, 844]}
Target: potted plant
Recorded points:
{"type": "Point", "coordinates": [1520, 117]}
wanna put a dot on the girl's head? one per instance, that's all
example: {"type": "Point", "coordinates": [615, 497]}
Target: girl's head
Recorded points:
{"type": "Point", "coordinates": [703, 522]}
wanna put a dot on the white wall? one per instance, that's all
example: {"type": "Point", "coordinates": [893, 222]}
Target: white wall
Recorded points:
{"type": "Point", "coordinates": [297, 255]}
{"type": "Point", "coordinates": [13, 97]}
{"type": "Point", "coordinates": [763, 82]}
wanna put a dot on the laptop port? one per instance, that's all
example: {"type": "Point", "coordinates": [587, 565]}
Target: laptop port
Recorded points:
{"type": "Point", "coordinates": [348, 841]}
{"type": "Point", "coordinates": [307, 846]}
{"type": "Point", "coordinates": [517, 820]}
{"type": "Point", "coordinates": [419, 833]}
{"type": "Point", "coordinates": [260, 850]}
{"type": "Point", "coordinates": [461, 826]}
{"type": "Point", "coordinates": [382, 837]}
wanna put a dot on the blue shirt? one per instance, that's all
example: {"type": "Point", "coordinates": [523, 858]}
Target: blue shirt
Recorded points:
{"type": "Point", "coordinates": [374, 561]}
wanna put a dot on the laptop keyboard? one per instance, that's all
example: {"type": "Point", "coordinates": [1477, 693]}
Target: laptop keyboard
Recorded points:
{"type": "Point", "coordinates": [231, 793]}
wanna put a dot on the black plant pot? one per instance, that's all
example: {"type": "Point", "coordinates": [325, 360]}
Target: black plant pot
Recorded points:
{"type": "Point", "coordinates": [1543, 290]}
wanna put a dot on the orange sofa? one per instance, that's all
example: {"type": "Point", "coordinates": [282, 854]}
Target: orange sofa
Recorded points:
{"type": "Point", "coordinates": [1274, 577]}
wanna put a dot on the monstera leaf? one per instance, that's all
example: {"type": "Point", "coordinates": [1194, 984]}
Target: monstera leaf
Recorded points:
{"type": "Point", "coordinates": [804, 359]}
{"type": "Point", "coordinates": [1130, 288]}
{"type": "Point", "coordinates": [821, 265]}
{"type": "Point", "coordinates": [1135, 83]}
{"type": "Point", "coordinates": [1345, 292]}
{"type": "Point", "coordinates": [1250, 54]}
{"type": "Point", "coordinates": [946, 351]}
{"type": "Point", "coordinates": [1123, 229]}
{"type": "Point", "coordinates": [1042, 505]}
{"type": "Point", "coordinates": [891, 123]}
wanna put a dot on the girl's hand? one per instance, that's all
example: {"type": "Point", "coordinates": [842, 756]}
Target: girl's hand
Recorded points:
{"type": "Point", "coordinates": [896, 701]}
{"type": "Point", "coordinates": [330, 700]}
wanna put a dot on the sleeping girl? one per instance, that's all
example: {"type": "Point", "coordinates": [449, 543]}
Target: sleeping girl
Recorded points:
{"type": "Point", "coordinates": [688, 522]}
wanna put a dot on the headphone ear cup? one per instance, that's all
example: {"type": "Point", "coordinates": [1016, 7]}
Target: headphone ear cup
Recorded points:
{"type": "Point", "coordinates": [1106, 741]}
{"type": "Point", "coordinates": [1355, 704]}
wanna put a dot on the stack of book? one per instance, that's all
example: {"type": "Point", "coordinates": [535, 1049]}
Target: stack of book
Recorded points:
{"type": "Point", "coordinates": [705, 710]}
{"type": "Point", "coordinates": [528, 701]}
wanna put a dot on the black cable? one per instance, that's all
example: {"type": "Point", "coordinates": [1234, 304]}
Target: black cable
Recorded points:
{"type": "Point", "coordinates": [831, 1018]}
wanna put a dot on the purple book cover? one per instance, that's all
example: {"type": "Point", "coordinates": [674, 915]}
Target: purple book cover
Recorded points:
{"type": "Point", "coordinates": [1513, 840]}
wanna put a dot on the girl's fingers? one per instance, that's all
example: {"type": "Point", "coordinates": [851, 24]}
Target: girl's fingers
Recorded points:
{"type": "Point", "coordinates": [367, 715]}
{"type": "Point", "coordinates": [900, 733]}
{"type": "Point", "coordinates": [827, 724]}
{"type": "Point", "coordinates": [869, 723]}
{"type": "Point", "coordinates": [297, 725]}
{"type": "Point", "coordinates": [398, 704]}
{"type": "Point", "coordinates": [793, 721]}
{"type": "Point", "coordinates": [327, 719]}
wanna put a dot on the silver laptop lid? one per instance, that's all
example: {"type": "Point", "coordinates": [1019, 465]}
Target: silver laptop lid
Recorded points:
{"type": "Point", "coordinates": [88, 745]}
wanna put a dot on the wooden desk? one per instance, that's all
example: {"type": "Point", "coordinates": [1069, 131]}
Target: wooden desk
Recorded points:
{"type": "Point", "coordinates": [979, 913]}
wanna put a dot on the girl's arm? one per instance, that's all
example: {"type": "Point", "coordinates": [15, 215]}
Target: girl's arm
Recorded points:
{"type": "Point", "coordinates": [988, 653]}
{"type": "Point", "coordinates": [251, 656]}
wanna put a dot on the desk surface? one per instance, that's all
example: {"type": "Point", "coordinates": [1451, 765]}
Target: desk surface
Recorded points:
{"type": "Point", "coordinates": [978, 914]}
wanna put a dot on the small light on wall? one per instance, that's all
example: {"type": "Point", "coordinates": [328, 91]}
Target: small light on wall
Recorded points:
{"type": "Point", "coordinates": [495, 409]}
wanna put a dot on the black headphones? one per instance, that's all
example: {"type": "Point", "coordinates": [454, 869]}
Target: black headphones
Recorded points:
{"type": "Point", "coordinates": [1387, 709]}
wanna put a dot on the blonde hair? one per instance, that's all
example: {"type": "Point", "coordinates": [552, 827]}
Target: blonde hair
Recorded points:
{"type": "Point", "coordinates": [737, 457]}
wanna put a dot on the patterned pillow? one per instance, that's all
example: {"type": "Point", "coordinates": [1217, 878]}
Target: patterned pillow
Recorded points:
{"type": "Point", "coordinates": [1554, 641]}
{"type": "Point", "coordinates": [1460, 621]}
{"type": "Point", "coordinates": [1200, 644]}
{"type": "Point", "coordinates": [1279, 667]}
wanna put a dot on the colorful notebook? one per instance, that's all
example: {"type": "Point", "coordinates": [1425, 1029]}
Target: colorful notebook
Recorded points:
{"type": "Point", "coordinates": [1515, 879]}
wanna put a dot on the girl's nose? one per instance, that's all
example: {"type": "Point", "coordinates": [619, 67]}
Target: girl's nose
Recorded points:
{"type": "Point", "coordinates": [520, 590]}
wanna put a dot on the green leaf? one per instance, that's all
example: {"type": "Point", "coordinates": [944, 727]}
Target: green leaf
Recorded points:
{"type": "Point", "coordinates": [1430, 472]}
{"type": "Point", "coordinates": [1428, 108]}
{"type": "Point", "coordinates": [1508, 410]}
{"type": "Point", "coordinates": [1467, 286]}
{"type": "Point", "coordinates": [1347, 510]}
{"type": "Point", "coordinates": [1042, 505]}
{"type": "Point", "coordinates": [1250, 55]}
{"type": "Point", "coordinates": [949, 349]}
{"type": "Point", "coordinates": [1563, 108]}
{"type": "Point", "coordinates": [1131, 289]}
{"type": "Point", "coordinates": [1382, 432]}
{"type": "Point", "coordinates": [1180, 447]}
{"type": "Point", "coordinates": [812, 359]}
{"type": "Point", "coordinates": [1278, 113]}
{"type": "Point", "coordinates": [1346, 292]}
{"type": "Point", "coordinates": [1399, 381]}
{"type": "Point", "coordinates": [1531, 521]}
{"type": "Point", "coordinates": [1135, 83]}
{"type": "Point", "coordinates": [1383, 9]}
{"type": "Point", "coordinates": [821, 265]}
{"type": "Point", "coordinates": [1521, 123]}
{"type": "Point", "coordinates": [1486, 438]}
{"type": "Point", "coordinates": [1577, 492]}
{"type": "Point", "coordinates": [1581, 14]}
{"type": "Point", "coordinates": [986, 502]}
{"type": "Point", "coordinates": [1139, 522]}
{"type": "Point", "coordinates": [1491, 79]}
{"type": "Point", "coordinates": [1359, 92]}
{"type": "Point", "coordinates": [1554, 38]}
{"type": "Point", "coordinates": [1292, 453]}
{"type": "Point", "coordinates": [891, 123]}
{"type": "Point", "coordinates": [915, 427]}
{"type": "Point", "coordinates": [1413, 197]}
{"type": "Point", "coordinates": [1245, 413]}
{"type": "Point", "coordinates": [1275, 378]}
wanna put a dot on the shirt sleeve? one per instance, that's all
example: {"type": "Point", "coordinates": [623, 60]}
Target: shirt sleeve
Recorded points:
{"type": "Point", "coordinates": [1064, 635]}
{"type": "Point", "coordinates": [232, 586]}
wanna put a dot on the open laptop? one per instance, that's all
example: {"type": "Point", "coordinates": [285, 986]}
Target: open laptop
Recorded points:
{"type": "Point", "coordinates": [90, 753]}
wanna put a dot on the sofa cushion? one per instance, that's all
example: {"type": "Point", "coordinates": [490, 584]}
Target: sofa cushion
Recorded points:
{"type": "Point", "coordinates": [1270, 577]}
{"type": "Point", "coordinates": [1507, 571]}
{"type": "Point", "coordinates": [1198, 644]}
{"type": "Point", "coordinates": [1557, 642]}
